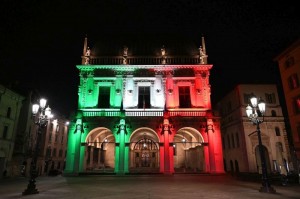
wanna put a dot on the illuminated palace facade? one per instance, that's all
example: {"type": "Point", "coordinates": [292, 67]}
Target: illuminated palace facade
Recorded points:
{"type": "Point", "coordinates": [144, 114]}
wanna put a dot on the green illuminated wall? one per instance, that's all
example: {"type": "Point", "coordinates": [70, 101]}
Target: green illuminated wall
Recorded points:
{"type": "Point", "coordinates": [122, 149]}
{"type": "Point", "coordinates": [88, 90]}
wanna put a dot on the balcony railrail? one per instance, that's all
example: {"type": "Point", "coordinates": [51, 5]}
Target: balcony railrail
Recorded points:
{"type": "Point", "coordinates": [143, 113]}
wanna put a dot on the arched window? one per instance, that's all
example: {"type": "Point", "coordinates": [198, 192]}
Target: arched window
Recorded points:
{"type": "Point", "coordinates": [224, 144]}
{"type": "Point", "coordinates": [237, 140]}
{"type": "Point", "coordinates": [277, 131]}
{"type": "Point", "coordinates": [237, 169]}
{"type": "Point", "coordinates": [273, 113]}
{"type": "Point", "coordinates": [231, 167]}
{"type": "Point", "coordinates": [8, 113]}
{"type": "Point", "coordinates": [225, 165]}
{"type": "Point", "coordinates": [232, 139]}
{"type": "Point", "coordinates": [228, 139]}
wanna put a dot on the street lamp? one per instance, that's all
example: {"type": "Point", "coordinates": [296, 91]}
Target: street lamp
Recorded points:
{"type": "Point", "coordinates": [253, 114]}
{"type": "Point", "coordinates": [43, 114]}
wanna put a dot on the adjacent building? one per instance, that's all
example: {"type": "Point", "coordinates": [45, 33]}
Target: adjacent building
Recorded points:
{"type": "Point", "coordinates": [289, 66]}
{"type": "Point", "coordinates": [144, 107]}
{"type": "Point", "coordinates": [10, 106]}
{"type": "Point", "coordinates": [239, 136]}
{"type": "Point", "coordinates": [52, 146]}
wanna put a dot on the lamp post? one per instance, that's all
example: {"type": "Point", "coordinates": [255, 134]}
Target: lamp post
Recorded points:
{"type": "Point", "coordinates": [43, 114]}
{"type": "Point", "coordinates": [253, 114]}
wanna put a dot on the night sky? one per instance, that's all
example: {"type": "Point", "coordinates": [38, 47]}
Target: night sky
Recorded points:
{"type": "Point", "coordinates": [41, 42]}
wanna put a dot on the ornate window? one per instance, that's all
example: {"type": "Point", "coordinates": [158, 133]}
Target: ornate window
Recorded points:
{"type": "Point", "coordinates": [223, 141]}
{"type": "Point", "coordinates": [144, 97]}
{"type": "Point", "coordinates": [48, 152]}
{"type": "Point", "coordinates": [237, 140]}
{"type": "Point", "coordinates": [5, 132]}
{"type": "Point", "coordinates": [228, 139]}
{"type": "Point", "coordinates": [296, 103]}
{"type": "Point", "coordinates": [289, 62]}
{"type": "Point", "coordinates": [270, 98]}
{"type": "Point", "coordinates": [60, 153]}
{"type": "Point", "coordinates": [277, 131]}
{"type": "Point", "coordinates": [8, 114]}
{"type": "Point", "coordinates": [232, 139]}
{"type": "Point", "coordinates": [184, 97]}
{"type": "Point", "coordinates": [104, 97]}
{"type": "Point", "coordinates": [54, 152]}
{"type": "Point", "coordinates": [293, 81]}
{"type": "Point", "coordinates": [273, 113]}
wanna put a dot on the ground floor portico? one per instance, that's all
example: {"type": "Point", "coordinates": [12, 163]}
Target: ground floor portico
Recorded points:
{"type": "Point", "coordinates": [164, 145]}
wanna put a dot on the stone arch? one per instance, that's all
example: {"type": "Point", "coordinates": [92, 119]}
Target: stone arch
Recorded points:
{"type": "Point", "coordinates": [138, 133]}
{"type": "Point", "coordinates": [188, 150]}
{"type": "Point", "coordinates": [144, 150]}
{"type": "Point", "coordinates": [100, 150]}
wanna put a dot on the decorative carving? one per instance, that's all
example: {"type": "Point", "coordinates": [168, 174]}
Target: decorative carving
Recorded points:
{"type": "Point", "coordinates": [88, 52]}
{"type": "Point", "coordinates": [163, 51]}
{"type": "Point", "coordinates": [163, 54]}
{"type": "Point", "coordinates": [202, 55]}
{"type": "Point", "coordinates": [87, 61]}
{"type": "Point", "coordinates": [124, 60]}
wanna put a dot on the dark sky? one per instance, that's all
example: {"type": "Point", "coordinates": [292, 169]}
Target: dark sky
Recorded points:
{"type": "Point", "coordinates": [41, 41]}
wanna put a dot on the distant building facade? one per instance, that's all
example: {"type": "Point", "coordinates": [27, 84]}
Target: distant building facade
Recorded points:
{"type": "Point", "coordinates": [10, 106]}
{"type": "Point", "coordinates": [239, 137]}
{"type": "Point", "coordinates": [53, 145]}
{"type": "Point", "coordinates": [289, 67]}
{"type": "Point", "coordinates": [144, 113]}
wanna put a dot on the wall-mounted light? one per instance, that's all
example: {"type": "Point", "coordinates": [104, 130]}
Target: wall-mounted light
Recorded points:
{"type": "Point", "coordinates": [170, 91]}
{"type": "Point", "coordinates": [198, 91]}
{"type": "Point", "coordinates": [144, 145]}
{"type": "Point", "coordinates": [158, 90]}
{"type": "Point", "coordinates": [130, 91]}
{"type": "Point", "coordinates": [118, 91]}
{"type": "Point", "coordinates": [90, 91]}
{"type": "Point", "coordinates": [163, 51]}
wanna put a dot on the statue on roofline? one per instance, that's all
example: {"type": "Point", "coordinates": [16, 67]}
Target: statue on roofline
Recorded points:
{"type": "Point", "coordinates": [88, 51]}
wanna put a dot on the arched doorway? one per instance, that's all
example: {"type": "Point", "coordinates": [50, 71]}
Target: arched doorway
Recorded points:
{"type": "Point", "coordinates": [100, 151]}
{"type": "Point", "coordinates": [188, 151]}
{"type": "Point", "coordinates": [144, 151]}
{"type": "Point", "coordinates": [258, 159]}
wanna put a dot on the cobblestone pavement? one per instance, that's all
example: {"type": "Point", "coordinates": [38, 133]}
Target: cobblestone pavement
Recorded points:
{"type": "Point", "coordinates": [144, 187]}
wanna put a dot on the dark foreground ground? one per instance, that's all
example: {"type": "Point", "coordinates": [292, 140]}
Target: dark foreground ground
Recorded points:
{"type": "Point", "coordinates": [145, 187]}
